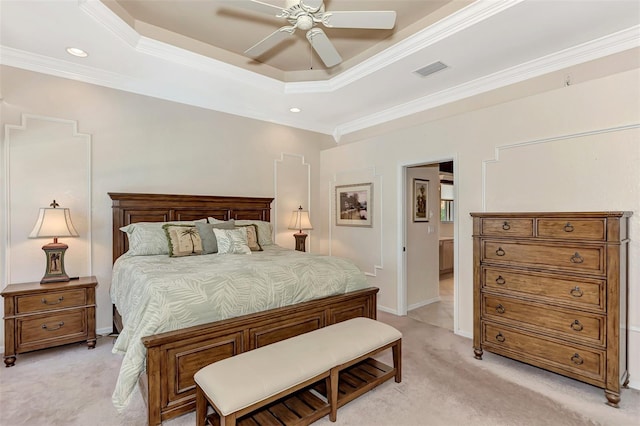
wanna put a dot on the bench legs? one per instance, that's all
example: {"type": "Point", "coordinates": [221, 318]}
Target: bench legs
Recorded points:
{"type": "Point", "coordinates": [397, 360]}
{"type": "Point", "coordinates": [332, 393]}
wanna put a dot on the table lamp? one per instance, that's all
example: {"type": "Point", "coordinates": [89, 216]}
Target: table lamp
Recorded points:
{"type": "Point", "coordinates": [300, 220]}
{"type": "Point", "coordinates": [54, 223]}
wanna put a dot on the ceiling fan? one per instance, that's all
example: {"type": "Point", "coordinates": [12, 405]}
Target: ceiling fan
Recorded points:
{"type": "Point", "coordinates": [306, 15]}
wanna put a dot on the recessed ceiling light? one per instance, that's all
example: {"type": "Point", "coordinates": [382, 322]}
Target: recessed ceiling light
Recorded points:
{"type": "Point", "coordinates": [295, 109]}
{"type": "Point", "coordinates": [77, 52]}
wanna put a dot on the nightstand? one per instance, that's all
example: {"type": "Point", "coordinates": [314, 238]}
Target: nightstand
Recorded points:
{"type": "Point", "coordinates": [39, 316]}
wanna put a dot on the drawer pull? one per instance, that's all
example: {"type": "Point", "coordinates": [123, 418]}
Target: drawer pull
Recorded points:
{"type": "Point", "coordinates": [500, 280]}
{"type": "Point", "coordinates": [506, 226]}
{"type": "Point", "coordinates": [576, 359]}
{"type": "Point", "coordinates": [60, 324]}
{"type": "Point", "coordinates": [500, 252]}
{"type": "Point", "coordinates": [60, 299]}
{"type": "Point", "coordinates": [500, 309]}
{"type": "Point", "coordinates": [576, 292]}
{"type": "Point", "coordinates": [568, 227]}
{"type": "Point", "coordinates": [500, 338]}
{"type": "Point", "coordinates": [576, 326]}
{"type": "Point", "coordinates": [576, 258]}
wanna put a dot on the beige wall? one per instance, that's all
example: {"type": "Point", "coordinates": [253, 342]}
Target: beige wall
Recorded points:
{"type": "Point", "coordinates": [142, 144]}
{"type": "Point", "coordinates": [565, 149]}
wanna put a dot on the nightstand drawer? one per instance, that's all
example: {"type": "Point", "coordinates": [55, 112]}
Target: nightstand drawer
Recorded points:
{"type": "Point", "coordinates": [45, 330]}
{"type": "Point", "coordinates": [48, 301]}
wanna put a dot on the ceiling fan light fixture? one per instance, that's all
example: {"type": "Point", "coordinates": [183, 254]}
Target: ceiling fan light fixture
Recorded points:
{"type": "Point", "coordinates": [294, 109]}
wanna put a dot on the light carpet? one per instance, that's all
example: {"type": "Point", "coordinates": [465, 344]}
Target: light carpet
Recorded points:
{"type": "Point", "coordinates": [442, 384]}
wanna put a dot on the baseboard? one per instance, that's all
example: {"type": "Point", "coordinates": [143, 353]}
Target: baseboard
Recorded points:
{"type": "Point", "coordinates": [104, 331]}
{"type": "Point", "coordinates": [424, 303]}
{"type": "Point", "coordinates": [387, 310]}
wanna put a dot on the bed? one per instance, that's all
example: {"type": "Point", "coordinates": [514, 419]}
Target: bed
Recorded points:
{"type": "Point", "coordinates": [172, 357]}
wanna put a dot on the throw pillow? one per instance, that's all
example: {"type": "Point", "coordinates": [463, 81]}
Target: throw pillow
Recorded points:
{"type": "Point", "coordinates": [209, 242]}
{"type": "Point", "coordinates": [232, 241]}
{"type": "Point", "coordinates": [252, 237]}
{"type": "Point", "coordinates": [183, 240]}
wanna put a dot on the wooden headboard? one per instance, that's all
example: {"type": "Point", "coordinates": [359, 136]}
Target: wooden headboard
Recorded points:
{"type": "Point", "coordinates": [131, 208]}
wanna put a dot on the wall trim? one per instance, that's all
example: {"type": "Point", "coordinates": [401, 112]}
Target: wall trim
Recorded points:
{"type": "Point", "coordinates": [7, 186]}
{"type": "Point", "coordinates": [499, 148]}
{"type": "Point", "coordinates": [377, 180]}
{"type": "Point", "coordinates": [276, 162]}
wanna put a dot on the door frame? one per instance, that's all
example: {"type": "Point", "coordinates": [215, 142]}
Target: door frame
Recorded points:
{"type": "Point", "coordinates": [402, 212]}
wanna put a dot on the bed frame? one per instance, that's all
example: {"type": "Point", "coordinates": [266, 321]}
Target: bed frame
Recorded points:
{"type": "Point", "coordinates": [174, 357]}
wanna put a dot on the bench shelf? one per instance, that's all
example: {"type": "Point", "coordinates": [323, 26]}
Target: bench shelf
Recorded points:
{"type": "Point", "coordinates": [305, 406]}
{"type": "Point", "coordinates": [359, 379]}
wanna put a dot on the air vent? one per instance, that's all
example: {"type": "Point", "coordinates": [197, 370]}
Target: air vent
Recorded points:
{"type": "Point", "coordinates": [430, 69]}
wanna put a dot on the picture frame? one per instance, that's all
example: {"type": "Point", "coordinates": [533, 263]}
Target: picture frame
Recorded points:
{"type": "Point", "coordinates": [420, 200]}
{"type": "Point", "coordinates": [354, 205]}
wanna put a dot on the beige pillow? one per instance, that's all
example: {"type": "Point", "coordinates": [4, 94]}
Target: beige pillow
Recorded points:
{"type": "Point", "coordinates": [183, 240]}
{"type": "Point", "coordinates": [252, 237]}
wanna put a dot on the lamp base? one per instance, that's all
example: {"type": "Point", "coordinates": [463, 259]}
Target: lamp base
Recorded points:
{"type": "Point", "coordinates": [300, 241]}
{"type": "Point", "coordinates": [55, 263]}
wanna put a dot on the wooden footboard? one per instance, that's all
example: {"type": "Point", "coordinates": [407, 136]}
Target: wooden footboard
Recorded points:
{"type": "Point", "coordinates": [174, 357]}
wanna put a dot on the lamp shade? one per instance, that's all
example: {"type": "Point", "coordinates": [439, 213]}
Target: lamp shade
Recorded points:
{"type": "Point", "coordinates": [53, 223]}
{"type": "Point", "coordinates": [300, 220]}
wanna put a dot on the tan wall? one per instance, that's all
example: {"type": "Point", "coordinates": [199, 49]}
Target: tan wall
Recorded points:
{"type": "Point", "coordinates": [565, 149]}
{"type": "Point", "coordinates": [142, 144]}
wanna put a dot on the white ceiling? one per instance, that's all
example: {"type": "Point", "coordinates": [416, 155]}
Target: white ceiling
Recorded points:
{"type": "Point", "coordinates": [168, 49]}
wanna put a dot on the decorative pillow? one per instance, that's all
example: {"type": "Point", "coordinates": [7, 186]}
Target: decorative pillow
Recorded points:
{"type": "Point", "coordinates": [148, 238]}
{"type": "Point", "coordinates": [232, 241]}
{"type": "Point", "coordinates": [209, 242]}
{"type": "Point", "coordinates": [183, 240]}
{"type": "Point", "coordinates": [265, 231]}
{"type": "Point", "coordinates": [252, 237]}
{"type": "Point", "coordinates": [214, 220]}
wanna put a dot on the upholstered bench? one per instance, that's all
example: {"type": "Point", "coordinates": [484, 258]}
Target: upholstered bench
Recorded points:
{"type": "Point", "coordinates": [251, 380]}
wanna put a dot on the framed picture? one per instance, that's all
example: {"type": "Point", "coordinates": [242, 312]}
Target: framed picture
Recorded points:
{"type": "Point", "coordinates": [420, 200]}
{"type": "Point", "coordinates": [354, 205]}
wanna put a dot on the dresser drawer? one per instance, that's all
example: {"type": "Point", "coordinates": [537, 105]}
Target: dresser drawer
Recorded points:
{"type": "Point", "coordinates": [48, 301]}
{"type": "Point", "coordinates": [564, 324]}
{"type": "Point", "coordinates": [580, 258]}
{"type": "Point", "coordinates": [572, 229]}
{"type": "Point", "coordinates": [561, 289]}
{"type": "Point", "coordinates": [565, 358]}
{"type": "Point", "coordinates": [44, 330]}
{"type": "Point", "coordinates": [507, 227]}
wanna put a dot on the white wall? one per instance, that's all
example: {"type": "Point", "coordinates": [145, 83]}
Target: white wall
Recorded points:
{"type": "Point", "coordinates": [565, 149]}
{"type": "Point", "coordinates": [142, 144]}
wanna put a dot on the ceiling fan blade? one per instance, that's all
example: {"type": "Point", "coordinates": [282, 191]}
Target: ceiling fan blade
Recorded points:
{"type": "Point", "coordinates": [374, 19]}
{"type": "Point", "coordinates": [323, 47]}
{"type": "Point", "coordinates": [258, 6]}
{"type": "Point", "coordinates": [269, 42]}
{"type": "Point", "coordinates": [311, 5]}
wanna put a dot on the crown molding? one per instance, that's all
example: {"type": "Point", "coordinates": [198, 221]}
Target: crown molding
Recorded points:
{"type": "Point", "coordinates": [608, 45]}
{"type": "Point", "coordinates": [454, 23]}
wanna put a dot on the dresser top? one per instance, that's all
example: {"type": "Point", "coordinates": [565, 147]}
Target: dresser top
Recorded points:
{"type": "Point", "coordinates": [554, 214]}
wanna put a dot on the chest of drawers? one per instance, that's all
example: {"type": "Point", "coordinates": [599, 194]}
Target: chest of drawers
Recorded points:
{"type": "Point", "coordinates": [39, 316]}
{"type": "Point", "coordinates": [550, 290]}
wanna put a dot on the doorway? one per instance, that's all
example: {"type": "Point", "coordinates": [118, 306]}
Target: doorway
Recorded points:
{"type": "Point", "coordinates": [429, 262]}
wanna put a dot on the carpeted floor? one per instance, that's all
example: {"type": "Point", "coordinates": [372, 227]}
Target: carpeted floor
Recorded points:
{"type": "Point", "coordinates": [442, 385]}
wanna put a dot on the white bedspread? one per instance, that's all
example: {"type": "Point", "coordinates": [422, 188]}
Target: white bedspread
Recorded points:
{"type": "Point", "coordinates": [155, 294]}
